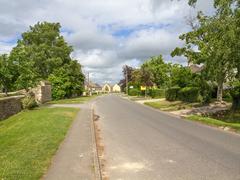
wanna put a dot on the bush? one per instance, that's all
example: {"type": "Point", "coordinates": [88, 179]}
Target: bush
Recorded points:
{"type": "Point", "coordinates": [134, 92]}
{"type": "Point", "coordinates": [235, 94]}
{"type": "Point", "coordinates": [172, 93]}
{"type": "Point", "coordinates": [29, 102]}
{"type": "Point", "coordinates": [189, 94]}
{"type": "Point", "coordinates": [156, 93]}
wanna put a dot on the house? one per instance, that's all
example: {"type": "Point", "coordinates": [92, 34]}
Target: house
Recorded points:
{"type": "Point", "coordinates": [195, 68]}
{"type": "Point", "coordinates": [93, 87]}
{"type": "Point", "coordinates": [108, 88]}
{"type": "Point", "coordinates": [116, 88]}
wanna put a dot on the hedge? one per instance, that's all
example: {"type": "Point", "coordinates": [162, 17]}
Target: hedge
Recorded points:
{"type": "Point", "coordinates": [235, 93]}
{"type": "Point", "coordinates": [189, 94]}
{"type": "Point", "coordinates": [172, 93]}
{"type": "Point", "coordinates": [134, 92]}
{"type": "Point", "coordinates": [156, 93]}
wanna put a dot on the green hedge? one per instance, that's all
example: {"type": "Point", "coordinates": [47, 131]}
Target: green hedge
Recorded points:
{"type": "Point", "coordinates": [172, 93]}
{"type": "Point", "coordinates": [134, 92]}
{"type": "Point", "coordinates": [156, 93]}
{"type": "Point", "coordinates": [235, 93]}
{"type": "Point", "coordinates": [189, 94]}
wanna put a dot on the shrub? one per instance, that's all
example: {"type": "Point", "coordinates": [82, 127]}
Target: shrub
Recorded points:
{"type": "Point", "coordinates": [172, 93]}
{"type": "Point", "coordinates": [160, 93]}
{"type": "Point", "coordinates": [235, 94]}
{"type": "Point", "coordinates": [189, 94]}
{"type": "Point", "coordinates": [134, 92]}
{"type": "Point", "coordinates": [29, 102]}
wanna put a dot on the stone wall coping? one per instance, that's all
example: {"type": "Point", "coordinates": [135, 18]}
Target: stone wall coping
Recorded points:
{"type": "Point", "coordinates": [12, 97]}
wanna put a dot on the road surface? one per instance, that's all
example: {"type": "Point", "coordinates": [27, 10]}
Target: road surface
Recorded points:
{"type": "Point", "coordinates": [145, 144]}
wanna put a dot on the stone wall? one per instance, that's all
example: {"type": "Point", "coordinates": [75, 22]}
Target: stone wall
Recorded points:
{"type": "Point", "coordinates": [43, 92]}
{"type": "Point", "coordinates": [10, 106]}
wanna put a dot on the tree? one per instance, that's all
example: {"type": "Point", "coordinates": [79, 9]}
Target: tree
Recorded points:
{"type": "Point", "coordinates": [42, 54]}
{"type": "Point", "coordinates": [127, 73]}
{"type": "Point", "coordinates": [180, 76]}
{"type": "Point", "coordinates": [211, 38]}
{"type": "Point", "coordinates": [67, 81]}
{"type": "Point", "coordinates": [40, 51]}
{"type": "Point", "coordinates": [159, 70]}
{"type": "Point", "coordinates": [6, 73]}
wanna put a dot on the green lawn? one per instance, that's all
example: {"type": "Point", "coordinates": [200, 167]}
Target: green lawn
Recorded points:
{"type": "Point", "coordinates": [29, 139]}
{"type": "Point", "coordinates": [165, 105]}
{"type": "Point", "coordinates": [214, 122]}
{"type": "Point", "coordinates": [77, 100]}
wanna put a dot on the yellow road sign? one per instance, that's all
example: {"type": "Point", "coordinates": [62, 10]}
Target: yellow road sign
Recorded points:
{"type": "Point", "coordinates": [143, 88]}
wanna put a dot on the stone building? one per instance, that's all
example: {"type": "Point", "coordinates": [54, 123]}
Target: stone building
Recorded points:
{"type": "Point", "coordinates": [116, 88]}
{"type": "Point", "coordinates": [106, 88]}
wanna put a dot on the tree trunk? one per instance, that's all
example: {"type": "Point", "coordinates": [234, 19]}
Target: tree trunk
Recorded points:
{"type": "Point", "coordinates": [220, 91]}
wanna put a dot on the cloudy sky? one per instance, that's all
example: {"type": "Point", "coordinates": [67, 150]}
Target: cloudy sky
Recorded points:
{"type": "Point", "coordinates": [105, 34]}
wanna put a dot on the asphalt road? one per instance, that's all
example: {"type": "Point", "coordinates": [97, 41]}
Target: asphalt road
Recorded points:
{"type": "Point", "coordinates": [143, 143]}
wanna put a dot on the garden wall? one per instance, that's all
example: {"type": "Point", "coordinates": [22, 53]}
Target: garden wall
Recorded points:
{"type": "Point", "coordinates": [10, 106]}
{"type": "Point", "coordinates": [43, 92]}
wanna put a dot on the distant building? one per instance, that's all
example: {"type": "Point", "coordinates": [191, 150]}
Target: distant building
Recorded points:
{"type": "Point", "coordinates": [93, 87]}
{"type": "Point", "coordinates": [195, 68]}
{"type": "Point", "coordinates": [107, 88]}
{"type": "Point", "coordinates": [116, 88]}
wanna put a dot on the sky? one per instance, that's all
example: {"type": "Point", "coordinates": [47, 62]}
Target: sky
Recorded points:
{"type": "Point", "coordinates": [105, 34]}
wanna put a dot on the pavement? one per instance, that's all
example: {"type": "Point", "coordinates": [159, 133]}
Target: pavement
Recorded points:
{"type": "Point", "coordinates": [76, 157]}
{"type": "Point", "coordinates": [145, 144]}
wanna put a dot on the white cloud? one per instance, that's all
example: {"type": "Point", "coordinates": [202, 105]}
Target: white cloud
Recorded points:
{"type": "Point", "coordinates": [89, 26]}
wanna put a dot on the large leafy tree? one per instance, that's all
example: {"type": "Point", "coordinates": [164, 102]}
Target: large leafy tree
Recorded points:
{"type": "Point", "coordinates": [212, 37]}
{"type": "Point", "coordinates": [7, 73]}
{"type": "Point", "coordinates": [67, 80]}
{"type": "Point", "coordinates": [41, 50]}
{"type": "Point", "coordinates": [159, 70]}
{"type": "Point", "coordinates": [42, 54]}
{"type": "Point", "coordinates": [180, 76]}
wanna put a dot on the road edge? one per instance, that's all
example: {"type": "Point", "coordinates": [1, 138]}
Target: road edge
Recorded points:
{"type": "Point", "coordinates": [96, 160]}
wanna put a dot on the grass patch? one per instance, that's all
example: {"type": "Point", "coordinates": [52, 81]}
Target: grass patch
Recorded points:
{"type": "Point", "coordinates": [227, 116]}
{"type": "Point", "coordinates": [214, 122]}
{"type": "Point", "coordinates": [77, 100]}
{"type": "Point", "coordinates": [165, 105]}
{"type": "Point", "coordinates": [29, 139]}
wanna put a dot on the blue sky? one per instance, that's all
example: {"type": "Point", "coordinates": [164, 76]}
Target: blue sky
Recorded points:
{"type": "Point", "coordinates": [105, 34]}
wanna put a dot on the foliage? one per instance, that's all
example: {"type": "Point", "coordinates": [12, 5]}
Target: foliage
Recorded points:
{"type": "Point", "coordinates": [159, 71]}
{"type": "Point", "coordinates": [189, 94]}
{"type": "Point", "coordinates": [29, 102]}
{"type": "Point", "coordinates": [180, 76]}
{"type": "Point", "coordinates": [67, 81]}
{"type": "Point", "coordinates": [29, 139]}
{"type": "Point", "coordinates": [6, 73]}
{"type": "Point", "coordinates": [172, 93]}
{"type": "Point", "coordinates": [127, 73]}
{"type": "Point", "coordinates": [156, 93]}
{"type": "Point", "coordinates": [134, 92]}
{"type": "Point", "coordinates": [235, 94]}
{"type": "Point", "coordinates": [214, 41]}
{"type": "Point", "coordinates": [42, 54]}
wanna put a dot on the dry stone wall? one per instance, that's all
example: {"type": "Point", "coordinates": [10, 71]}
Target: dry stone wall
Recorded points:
{"type": "Point", "coordinates": [10, 106]}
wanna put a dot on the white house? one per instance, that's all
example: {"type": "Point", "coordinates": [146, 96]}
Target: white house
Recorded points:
{"type": "Point", "coordinates": [116, 88]}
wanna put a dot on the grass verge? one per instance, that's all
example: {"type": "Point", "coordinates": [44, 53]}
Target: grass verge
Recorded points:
{"type": "Point", "coordinates": [29, 139]}
{"type": "Point", "coordinates": [77, 100]}
{"type": "Point", "coordinates": [165, 105]}
{"type": "Point", "coordinates": [214, 122]}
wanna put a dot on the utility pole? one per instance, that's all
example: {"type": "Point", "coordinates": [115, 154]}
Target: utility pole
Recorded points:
{"type": "Point", "coordinates": [126, 78]}
{"type": "Point", "coordinates": [88, 85]}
